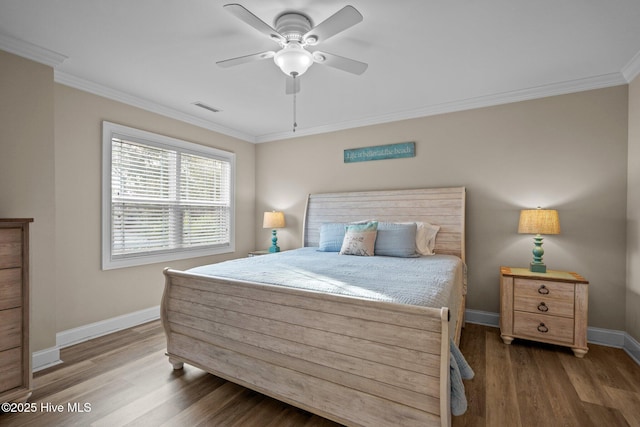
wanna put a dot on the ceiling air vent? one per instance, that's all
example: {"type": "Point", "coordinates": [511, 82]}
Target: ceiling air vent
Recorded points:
{"type": "Point", "coordinates": [207, 107]}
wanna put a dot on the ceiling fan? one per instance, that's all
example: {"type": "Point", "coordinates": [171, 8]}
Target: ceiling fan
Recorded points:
{"type": "Point", "coordinates": [293, 32]}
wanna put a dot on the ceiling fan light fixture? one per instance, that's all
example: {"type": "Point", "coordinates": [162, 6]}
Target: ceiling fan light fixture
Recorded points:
{"type": "Point", "coordinates": [293, 59]}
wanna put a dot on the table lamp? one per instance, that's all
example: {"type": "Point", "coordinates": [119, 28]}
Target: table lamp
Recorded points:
{"type": "Point", "coordinates": [538, 221]}
{"type": "Point", "coordinates": [273, 220]}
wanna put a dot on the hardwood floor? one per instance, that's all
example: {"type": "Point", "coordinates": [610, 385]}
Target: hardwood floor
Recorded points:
{"type": "Point", "coordinates": [533, 384]}
{"type": "Point", "coordinates": [126, 381]}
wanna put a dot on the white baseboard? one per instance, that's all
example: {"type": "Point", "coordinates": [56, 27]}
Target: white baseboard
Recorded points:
{"type": "Point", "coordinates": [104, 327]}
{"type": "Point", "coordinates": [485, 318]}
{"type": "Point", "coordinates": [45, 358]}
{"type": "Point", "coordinates": [49, 357]}
{"type": "Point", "coordinates": [607, 337]}
{"type": "Point", "coordinates": [632, 347]}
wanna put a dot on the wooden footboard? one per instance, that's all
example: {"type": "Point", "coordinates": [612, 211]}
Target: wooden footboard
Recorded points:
{"type": "Point", "coordinates": [354, 361]}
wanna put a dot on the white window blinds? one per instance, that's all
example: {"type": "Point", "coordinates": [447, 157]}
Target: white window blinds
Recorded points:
{"type": "Point", "coordinates": [166, 199]}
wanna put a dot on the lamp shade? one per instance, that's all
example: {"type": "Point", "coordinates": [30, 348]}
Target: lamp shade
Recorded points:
{"type": "Point", "coordinates": [273, 220]}
{"type": "Point", "coordinates": [539, 221]}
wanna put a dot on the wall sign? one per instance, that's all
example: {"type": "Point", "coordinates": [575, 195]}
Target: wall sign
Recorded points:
{"type": "Point", "coordinates": [380, 152]}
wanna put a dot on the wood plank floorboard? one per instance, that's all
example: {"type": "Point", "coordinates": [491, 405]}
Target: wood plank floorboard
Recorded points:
{"type": "Point", "coordinates": [534, 384]}
{"type": "Point", "coordinates": [127, 381]}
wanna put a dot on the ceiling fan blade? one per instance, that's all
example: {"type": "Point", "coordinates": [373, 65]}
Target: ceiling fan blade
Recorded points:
{"type": "Point", "coordinates": [243, 14]}
{"type": "Point", "coordinates": [340, 62]}
{"type": "Point", "coordinates": [244, 59]}
{"type": "Point", "coordinates": [292, 85]}
{"type": "Point", "coordinates": [346, 17]}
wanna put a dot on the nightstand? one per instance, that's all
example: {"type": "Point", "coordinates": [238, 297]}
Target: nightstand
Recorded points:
{"type": "Point", "coordinates": [548, 307]}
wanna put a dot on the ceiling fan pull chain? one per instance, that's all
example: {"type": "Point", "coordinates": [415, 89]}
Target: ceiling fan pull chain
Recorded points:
{"type": "Point", "coordinates": [295, 123]}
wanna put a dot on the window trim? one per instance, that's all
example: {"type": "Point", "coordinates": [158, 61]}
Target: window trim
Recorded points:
{"type": "Point", "coordinates": [108, 131]}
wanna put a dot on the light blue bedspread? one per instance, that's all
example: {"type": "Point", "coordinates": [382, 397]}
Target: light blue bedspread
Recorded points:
{"type": "Point", "coordinates": [426, 281]}
{"type": "Point", "coordinates": [430, 281]}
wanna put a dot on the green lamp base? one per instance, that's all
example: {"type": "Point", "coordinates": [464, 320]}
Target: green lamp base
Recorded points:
{"type": "Point", "coordinates": [538, 267]}
{"type": "Point", "coordinates": [274, 245]}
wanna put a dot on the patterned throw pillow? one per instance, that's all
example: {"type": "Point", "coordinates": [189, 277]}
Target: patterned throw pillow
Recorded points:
{"type": "Point", "coordinates": [360, 239]}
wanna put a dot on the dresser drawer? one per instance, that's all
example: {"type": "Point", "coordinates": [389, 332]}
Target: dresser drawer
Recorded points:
{"type": "Point", "coordinates": [542, 305]}
{"type": "Point", "coordinates": [530, 288]}
{"type": "Point", "coordinates": [10, 369]}
{"type": "Point", "coordinates": [543, 327]}
{"type": "Point", "coordinates": [10, 288]}
{"type": "Point", "coordinates": [10, 247]}
{"type": "Point", "coordinates": [10, 328]}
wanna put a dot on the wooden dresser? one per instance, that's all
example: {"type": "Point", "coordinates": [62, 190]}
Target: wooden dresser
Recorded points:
{"type": "Point", "coordinates": [549, 307]}
{"type": "Point", "coordinates": [15, 354]}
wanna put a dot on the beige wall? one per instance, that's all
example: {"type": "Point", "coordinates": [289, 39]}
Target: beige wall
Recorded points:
{"type": "Point", "coordinates": [633, 214]}
{"type": "Point", "coordinates": [565, 152]}
{"type": "Point", "coordinates": [85, 294]}
{"type": "Point", "coordinates": [27, 178]}
{"type": "Point", "coordinates": [50, 169]}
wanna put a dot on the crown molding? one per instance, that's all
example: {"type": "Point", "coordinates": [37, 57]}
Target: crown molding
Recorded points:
{"type": "Point", "coordinates": [632, 69]}
{"type": "Point", "coordinates": [31, 51]}
{"type": "Point", "coordinates": [571, 86]}
{"type": "Point", "coordinates": [54, 59]}
{"type": "Point", "coordinates": [563, 88]}
{"type": "Point", "coordinates": [116, 95]}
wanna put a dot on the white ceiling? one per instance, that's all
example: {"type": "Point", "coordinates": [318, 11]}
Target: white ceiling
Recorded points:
{"type": "Point", "coordinates": [425, 56]}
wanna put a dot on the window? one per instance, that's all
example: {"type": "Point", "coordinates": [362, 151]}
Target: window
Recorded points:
{"type": "Point", "coordinates": [163, 199]}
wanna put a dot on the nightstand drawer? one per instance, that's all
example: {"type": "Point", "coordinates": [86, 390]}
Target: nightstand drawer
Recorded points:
{"type": "Point", "coordinates": [543, 328]}
{"type": "Point", "coordinates": [541, 305]}
{"type": "Point", "coordinates": [530, 288]}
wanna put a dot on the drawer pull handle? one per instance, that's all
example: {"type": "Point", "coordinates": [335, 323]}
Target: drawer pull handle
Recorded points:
{"type": "Point", "coordinates": [543, 307]}
{"type": "Point", "coordinates": [543, 290]}
{"type": "Point", "coordinates": [542, 328]}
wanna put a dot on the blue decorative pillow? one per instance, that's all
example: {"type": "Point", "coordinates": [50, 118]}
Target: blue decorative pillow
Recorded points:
{"type": "Point", "coordinates": [359, 239]}
{"type": "Point", "coordinates": [396, 239]}
{"type": "Point", "coordinates": [331, 236]}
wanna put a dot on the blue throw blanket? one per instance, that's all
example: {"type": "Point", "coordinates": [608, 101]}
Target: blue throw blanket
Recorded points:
{"type": "Point", "coordinates": [460, 370]}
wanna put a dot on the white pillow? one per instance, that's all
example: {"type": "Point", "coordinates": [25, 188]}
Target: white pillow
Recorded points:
{"type": "Point", "coordinates": [426, 238]}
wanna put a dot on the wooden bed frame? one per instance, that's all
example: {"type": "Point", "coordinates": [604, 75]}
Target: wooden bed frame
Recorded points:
{"type": "Point", "coordinates": [354, 361]}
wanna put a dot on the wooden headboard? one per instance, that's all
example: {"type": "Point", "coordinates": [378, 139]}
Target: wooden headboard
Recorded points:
{"type": "Point", "coordinates": [439, 206]}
